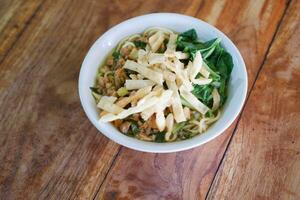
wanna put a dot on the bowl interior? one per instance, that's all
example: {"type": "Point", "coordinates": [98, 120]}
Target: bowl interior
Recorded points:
{"type": "Point", "coordinates": [179, 23]}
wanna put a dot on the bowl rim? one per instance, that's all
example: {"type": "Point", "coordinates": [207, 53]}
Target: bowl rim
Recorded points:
{"type": "Point", "coordinates": [153, 147]}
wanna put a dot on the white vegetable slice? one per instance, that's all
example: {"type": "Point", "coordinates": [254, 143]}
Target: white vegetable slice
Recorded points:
{"type": "Point", "coordinates": [186, 81]}
{"type": "Point", "coordinates": [140, 77]}
{"type": "Point", "coordinates": [171, 46]}
{"type": "Point", "coordinates": [142, 57]}
{"type": "Point", "coordinates": [156, 40]}
{"type": "Point", "coordinates": [160, 120]}
{"type": "Point", "coordinates": [178, 64]}
{"type": "Point", "coordinates": [195, 68]}
{"type": "Point", "coordinates": [202, 81]}
{"type": "Point", "coordinates": [192, 71]}
{"type": "Point", "coordinates": [202, 125]}
{"type": "Point", "coordinates": [182, 79]}
{"type": "Point", "coordinates": [182, 75]}
{"type": "Point", "coordinates": [156, 92]}
{"type": "Point", "coordinates": [143, 70]}
{"type": "Point", "coordinates": [112, 99]}
{"type": "Point", "coordinates": [137, 84]}
{"type": "Point", "coordinates": [139, 108]}
{"type": "Point", "coordinates": [177, 108]}
{"type": "Point", "coordinates": [133, 54]}
{"type": "Point", "coordinates": [169, 75]}
{"type": "Point", "coordinates": [176, 103]}
{"type": "Point", "coordinates": [170, 122]}
{"type": "Point", "coordinates": [170, 65]}
{"type": "Point", "coordinates": [125, 113]}
{"type": "Point", "coordinates": [181, 55]}
{"type": "Point", "coordinates": [158, 88]}
{"type": "Point", "coordinates": [157, 69]}
{"type": "Point", "coordinates": [156, 58]}
{"type": "Point", "coordinates": [172, 85]}
{"type": "Point", "coordinates": [176, 54]}
{"type": "Point", "coordinates": [138, 95]}
{"type": "Point", "coordinates": [133, 76]}
{"type": "Point", "coordinates": [169, 125]}
{"type": "Point", "coordinates": [106, 104]}
{"type": "Point", "coordinates": [146, 114]}
{"type": "Point", "coordinates": [154, 37]}
{"type": "Point", "coordinates": [187, 112]}
{"type": "Point", "coordinates": [164, 101]}
{"type": "Point", "coordinates": [189, 97]}
{"type": "Point", "coordinates": [203, 71]}
{"type": "Point", "coordinates": [108, 117]}
{"type": "Point", "coordinates": [216, 99]}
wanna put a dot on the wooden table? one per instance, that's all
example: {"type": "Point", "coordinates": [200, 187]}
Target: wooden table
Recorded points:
{"type": "Point", "coordinates": [49, 149]}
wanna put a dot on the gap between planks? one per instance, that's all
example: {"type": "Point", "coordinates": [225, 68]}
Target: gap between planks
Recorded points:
{"type": "Point", "coordinates": [247, 98]}
{"type": "Point", "coordinates": [108, 170]}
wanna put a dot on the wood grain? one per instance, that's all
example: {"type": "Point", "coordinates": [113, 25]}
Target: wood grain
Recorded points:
{"type": "Point", "coordinates": [188, 175]}
{"type": "Point", "coordinates": [263, 160]}
{"type": "Point", "coordinates": [49, 149]}
{"type": "Point", "coordinates": [14, 16]}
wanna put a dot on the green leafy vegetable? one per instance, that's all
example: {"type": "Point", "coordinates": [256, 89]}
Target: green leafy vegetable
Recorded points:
{"type": "Point", "coordinates": [210, 46]}
{"type": "Point", "coordinates": [160, 137]}
{"type": "Point", "coordinates": [216, 60]}
{"type": "Point", "coordinates": [116, 55]}
{"type": "Point", "coordinates": [140, 44]}
{"type": "Point", "coordinates": [221, 63]}
{"type": "Point", "coordinates": [215, 76]}
{"type": "Point", "coordinates": [188, 36]}
{"type": "Point", "coordinates": [187, 42]}
{"type": "Point", "coordinates": [204, 94]}
{"type": "Point", "coordinates": [209, 113]}
{"type": "Point", "coordinates": [94, 89]}
{"type": "Point", "coordinates": [95, 94]}
{"type": "Point", "coordinates": [189, 47]}
{"type": "Point", "coordinates": [133, 129]}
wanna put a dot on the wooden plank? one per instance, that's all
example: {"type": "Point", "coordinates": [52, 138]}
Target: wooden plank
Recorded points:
{"type": "Point", "coordinates": [14, 16]}
{"type": "Point", "coordinates": [49, 149]}
{"type": "Point", "coordinates": [263, 160]}
{"type": "Point", "coordinates": [188, 175]}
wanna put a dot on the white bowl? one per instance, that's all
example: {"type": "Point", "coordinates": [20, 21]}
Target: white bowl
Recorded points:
{"type": "Point", "coordinates": [179, 23]}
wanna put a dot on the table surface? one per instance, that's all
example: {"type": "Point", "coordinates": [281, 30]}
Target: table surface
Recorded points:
{"type": "Point", "coordinates": [49, 149]}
